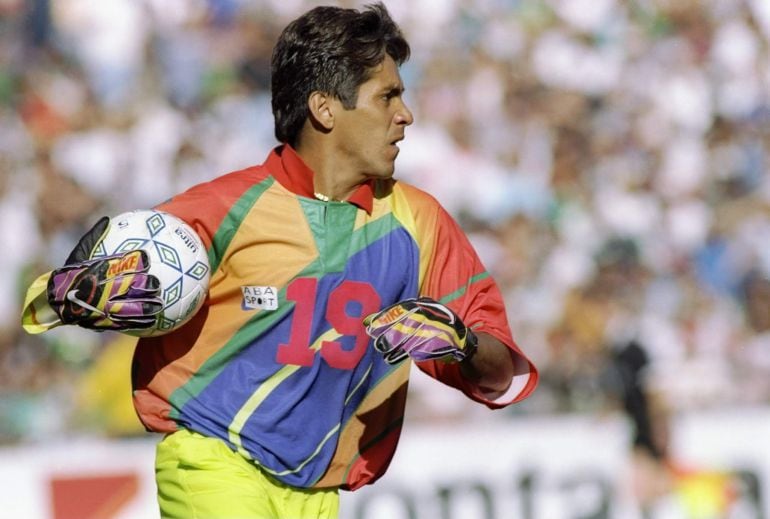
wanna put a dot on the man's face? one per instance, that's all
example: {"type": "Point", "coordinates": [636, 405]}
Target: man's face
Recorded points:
{"type": "Point", "coordinates": [368, 133]}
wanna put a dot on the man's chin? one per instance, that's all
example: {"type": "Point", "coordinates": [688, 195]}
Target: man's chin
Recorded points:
{"type": "Point", "coordinates": [384, 173]}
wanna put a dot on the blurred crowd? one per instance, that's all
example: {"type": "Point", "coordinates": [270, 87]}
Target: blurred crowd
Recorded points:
{"type": "Point", "coordinates": [608, 159]}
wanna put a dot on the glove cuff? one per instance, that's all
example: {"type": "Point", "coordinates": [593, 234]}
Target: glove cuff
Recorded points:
{"type": "Point", "coordinates": [471, 345]}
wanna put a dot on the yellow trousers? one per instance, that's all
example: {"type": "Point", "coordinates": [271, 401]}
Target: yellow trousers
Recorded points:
{"type": "Point", "coordinates": [201, 478]}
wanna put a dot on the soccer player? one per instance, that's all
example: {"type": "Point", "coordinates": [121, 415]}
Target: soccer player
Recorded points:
{"type": "Point", "coordinates": [329, 277]}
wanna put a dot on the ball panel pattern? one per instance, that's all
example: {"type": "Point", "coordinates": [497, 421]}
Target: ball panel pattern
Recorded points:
{"type": "Point", "coordinates": [177, 256]}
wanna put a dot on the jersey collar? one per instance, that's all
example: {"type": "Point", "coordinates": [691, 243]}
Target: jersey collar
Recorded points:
{"type": "Point", "coordinates": [290, 170]}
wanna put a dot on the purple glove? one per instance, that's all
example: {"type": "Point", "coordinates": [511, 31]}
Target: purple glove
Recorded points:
{"type": "Point", "coordinates": [422, 329]}
{"type": "Point", "coordinates": [110, 293]}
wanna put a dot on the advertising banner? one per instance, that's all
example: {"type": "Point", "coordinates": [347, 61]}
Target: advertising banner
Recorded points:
{"type": "Point", "coordinates": [563, 467]}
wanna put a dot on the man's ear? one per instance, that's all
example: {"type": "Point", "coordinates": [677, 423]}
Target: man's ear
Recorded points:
{"type": "Point", "coordinates": [321, 110]}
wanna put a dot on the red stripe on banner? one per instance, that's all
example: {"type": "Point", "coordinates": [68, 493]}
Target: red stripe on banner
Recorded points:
{"type": "Point", "coordinates": [93, 497]}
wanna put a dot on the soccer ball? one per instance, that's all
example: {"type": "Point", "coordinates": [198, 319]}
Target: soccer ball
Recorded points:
{"type": "Point", "coordinates": [177, 256]}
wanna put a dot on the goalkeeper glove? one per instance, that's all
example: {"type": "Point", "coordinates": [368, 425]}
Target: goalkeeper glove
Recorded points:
{"type": "Point", "coordinates": [111, 293]}
{"type": "Point", "coordinates": [423, 329]}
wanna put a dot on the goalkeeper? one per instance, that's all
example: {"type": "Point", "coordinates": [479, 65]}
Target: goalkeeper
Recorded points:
{"type": "Point", "coordinates": [329, 279]}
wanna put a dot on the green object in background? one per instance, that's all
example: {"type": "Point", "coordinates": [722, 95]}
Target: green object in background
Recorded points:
{"type": "Point", "coordinates": [7, 87]}
{"type": "Point", "coordinates": [218, 81]}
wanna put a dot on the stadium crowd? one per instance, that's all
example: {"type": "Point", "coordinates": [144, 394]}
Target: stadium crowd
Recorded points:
{"type": "Point", "coordinates": [608, 159]}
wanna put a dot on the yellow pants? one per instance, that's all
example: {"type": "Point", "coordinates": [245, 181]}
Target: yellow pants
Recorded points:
{"type": "Point", "coordinates": [201, 478]}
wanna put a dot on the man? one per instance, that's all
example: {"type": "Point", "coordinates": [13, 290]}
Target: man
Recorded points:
{"type": "Point", "coordinates": [270, 407]}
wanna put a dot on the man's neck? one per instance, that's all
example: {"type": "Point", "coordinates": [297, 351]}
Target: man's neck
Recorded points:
{"type": "Point", "coordinates": [332, 180]}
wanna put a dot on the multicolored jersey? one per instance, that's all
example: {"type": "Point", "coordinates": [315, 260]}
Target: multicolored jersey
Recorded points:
{"type": "Point", "coordinates": [277, 364]}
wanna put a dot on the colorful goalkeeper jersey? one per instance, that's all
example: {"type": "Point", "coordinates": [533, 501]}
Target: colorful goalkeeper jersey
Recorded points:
{"type": "Point", "coordinates": [277, 363]}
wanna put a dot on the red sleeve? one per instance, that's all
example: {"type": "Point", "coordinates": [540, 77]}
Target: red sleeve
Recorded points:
{"type": "Point", "coordinates": [456, 277]}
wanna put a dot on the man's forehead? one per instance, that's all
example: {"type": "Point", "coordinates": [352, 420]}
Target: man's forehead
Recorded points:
{"type": "Point", "coordinates": [386, 74]}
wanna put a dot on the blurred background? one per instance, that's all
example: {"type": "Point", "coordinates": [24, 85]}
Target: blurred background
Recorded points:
{"type": "Point", "coordinates": [607, 158]}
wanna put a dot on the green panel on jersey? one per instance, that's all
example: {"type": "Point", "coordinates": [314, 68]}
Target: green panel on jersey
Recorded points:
{"type": "Point", "coordinates": [331, 224]}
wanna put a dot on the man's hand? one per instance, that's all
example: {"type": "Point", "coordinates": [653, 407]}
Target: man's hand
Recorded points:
{"type": "Point", "coordinates": [111, 293]}
{"type": "Point", "coordinates": [423, 329]}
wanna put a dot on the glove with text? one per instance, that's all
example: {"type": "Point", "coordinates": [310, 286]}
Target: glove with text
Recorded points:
{"type": "Point", "coordinates": [422, 329]}
{"type": "Point", "coordinates": [110, 293]}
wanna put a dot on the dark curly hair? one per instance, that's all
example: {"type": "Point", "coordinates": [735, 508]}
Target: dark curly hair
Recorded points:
{"type": "Point", "coordinates": [331, 50]}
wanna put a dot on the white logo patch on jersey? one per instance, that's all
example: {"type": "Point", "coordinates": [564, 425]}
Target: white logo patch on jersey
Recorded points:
{"type": "Point", "coordinates": [259, 298]}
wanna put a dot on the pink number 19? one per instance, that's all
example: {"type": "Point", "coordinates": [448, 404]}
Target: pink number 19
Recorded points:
{"type": "Point", "coordinates": [303, 292]}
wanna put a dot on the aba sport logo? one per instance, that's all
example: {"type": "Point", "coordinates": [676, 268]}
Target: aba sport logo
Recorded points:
{"type": "Point", "coordinates": [259, 298]}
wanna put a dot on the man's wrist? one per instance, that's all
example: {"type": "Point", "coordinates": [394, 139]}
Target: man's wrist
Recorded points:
{"type": "Point", "coordinates": [471, 345]}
